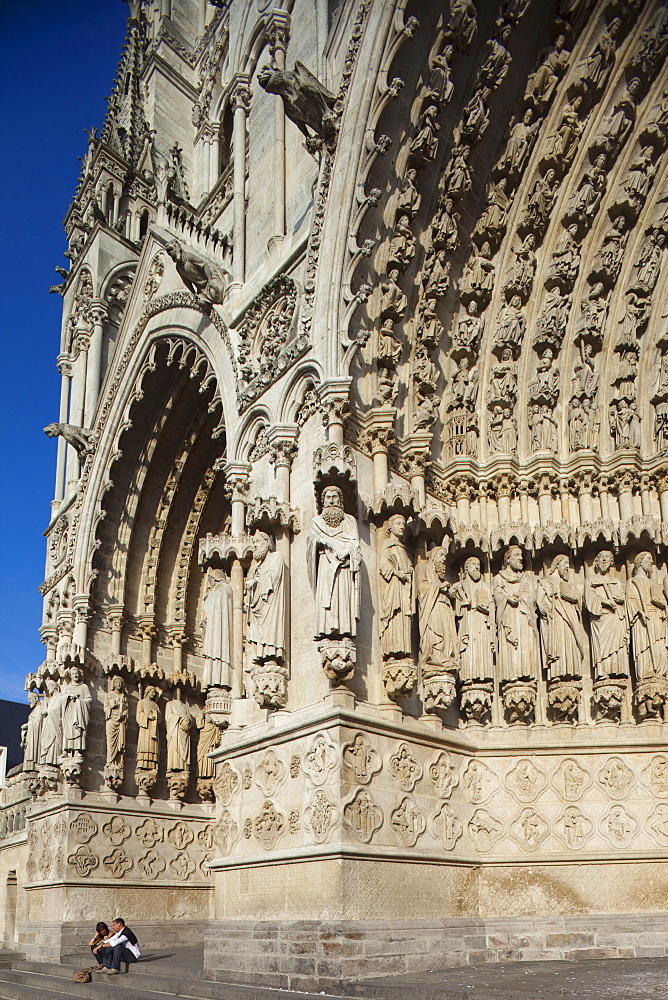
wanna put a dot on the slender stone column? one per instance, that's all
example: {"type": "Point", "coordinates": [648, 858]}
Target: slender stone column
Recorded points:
{"type": "Point", "coordinates": [279, 35]}
{"type": "Point", "coordinates": [662, 486]}
{"type": "Point", "coordinates": [115, 622]}
{"type": "Point", "coordinates": [98, 314]}
{"type": "Point", "coordinates": [81, 619]}
{"type": "Point", "coordinates": [65, 369]}
{"type": "Point", "coordinates": [240, 104]}
{"type": "Point", "coordinates": [625, 485]}
{"type": "Point", "coordinates": [77, 401]}
{"type": "Point", "coordinates": [282, 440]}
{"type": "Point", "coordinates": [236, 475]}
{"type": "Point", "coordinates": [147, 629]}
{"type": "Point", "coordinates": [237, 584]}
{"type": "Point", "coordinates": [334, 397]}
{"type": "Point", "coordinates": [379, 433]}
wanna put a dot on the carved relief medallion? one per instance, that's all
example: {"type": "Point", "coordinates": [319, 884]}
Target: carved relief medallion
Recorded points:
{"type": "Point", "coordinates": [529, 829]}
{"type": "Point", "coordinates": [60, 862]}
{"type": "Point", "coordinates": [269, 825]}
{"type": "Point", "coordinates": [206, 837]}
{"type": "Point", "coordinates": [204, 865]}
{"type": "Point", "coordinates": [525, 781]}
{"type": "Point", "coordinates": [571, 780]}
{"type": "Point", "coordinates": [182, 867]}
{"type": "Point", "coordinates": [404, 766]}
{"type": "Point", "coordinates": [446, 826]}
{"type": "Point", "coordinates": [293, 821]}
{"type": "Point", "coordinates": [149, 833]}
{"type": "Point", "coordinates": [320, 759]}
{"type": "Point", "coordinates": [226, 783]}
{"type": "Point", "coordinates": [83, 828]}
{"type": "Point", "coordinates": [320, 817]}
{"type": "Point", "coordinates": [84, 861]}
{"type": "Point", "coordinates": [181, 836]}
{"type": "Point", "coordinates": [44, 864]}
{"type": "Point", "coordinates": [573, 828]}
{"type": "Point", "coordinates": [151, 865]}
{"type": "Point", "coordinates": [615, 778]}
{"type": "Point", "coordinates": [480, 781]}
{"type": "Point", "coordinates": [248, 828]}
{"type": "Point", "coordinates": [269, 773]}
{"type": "Point", "coordinates": [362, 816]}
{"type": "Point", "coordinates": [45, 832]}
{"type": "Point", "coordinates": [118, 863]}
{"type": "Point", "coordinates": [443, 775]}
{"type": "Point", "coordinates": [116, 830]}
{"type": "Point", "coordinates": [361, 758]}
{"type": "Point", "coordinates": [60, 828]}
{"type": "Point", "coordinates": [295, 765]}
{"type": "Point", "coordinates": [655, 775]}
{"type": "Point", "coordinates": [226, 832]}
{"type": "Point", "coordinates": [657, 824]}
{"type": "Point", "coordinates": [618, 827]}
{"type": "Point", "coordinates": [484, 830]}
{"type": "Point", "coordinates": [407, 821]}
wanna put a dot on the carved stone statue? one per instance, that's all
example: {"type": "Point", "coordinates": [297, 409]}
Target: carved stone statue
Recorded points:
{"type": "Point", "coordinates": [469, 330]}
{"type": "Point", "coordinates": [605, 603]}
{"type": "Point", "coordinates": [148, 746]}
{"type": "Point", "coordinates": [542, 84]}
{"type": "Point", "coordinates": [51, 739]}
{"type": "Point", "coordinates": [595, 67]}
{"type": "Point", "coordinates": [425, 143]}
{"type": "Point", "coordinates": [647, 616]}
{"type": "Point", "coordinates": [518, 146]}
{"type": "Point", "coordinates": [217, 644]}
{"type": "Point", "coordinates": [76, 701]}
{"type": "Point", "coordinates": [478, 276]}
{"type": "Point", "coordinates": [561, 146]}
{"type": "Point", "coordinates": [306, 101]}
{"type": "Point", "coordinates": [540, 203]}
{"type": "Point", "coordinates": [206, 280]}
{"type": "Point", "coordinates": [209, 739]}
{"type": "Point", "coordinates": [511, 325]}
{"type": "Point", "coordinates": [178, 723]}
{"type": "Point", "coordinates": [334, 557]}
{"type": "Point", "coordinates": [565, 258]}
{"type": "Point", "coordinates": [30, 733]}
{"type": "Point", "coordinates": [408, 199]}
{"type": "Point", "coordinates": [266, 597]}
{"type": "Point", "coordinates": [563, 639]}
{"type": "Point", "coordinates": [474, 611]}
{"type": "Point", "coordinates": [519, 277]}
{"type": "Point", "coordinates": [78, 437]}
{"type": "Point", "coordinates": [396, 593]}
{"type": "Point", "coordinates": [517, 635]}
{"type": "Point", "coordinates": [438, 636]}
{"type": "Point", "coordinates": [116, 718]}
{"type": "Point", "coordinates": [463, 23]}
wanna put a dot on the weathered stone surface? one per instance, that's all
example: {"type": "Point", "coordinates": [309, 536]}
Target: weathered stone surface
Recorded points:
{"type": "Point", "coordinates": [356, 599]}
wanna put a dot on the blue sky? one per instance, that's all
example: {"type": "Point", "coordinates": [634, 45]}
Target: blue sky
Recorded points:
{"type": "Point", "coordinates": [58, 62]}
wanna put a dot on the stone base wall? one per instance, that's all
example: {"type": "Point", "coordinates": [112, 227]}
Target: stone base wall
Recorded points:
{"type": "Point", "coordinates": [334, 954]}
{"type": "Point", "coordinates": [49, 941]}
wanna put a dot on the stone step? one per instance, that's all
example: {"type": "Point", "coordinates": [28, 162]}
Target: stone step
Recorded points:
{"type": "Point", "coordinates": [56, 981]}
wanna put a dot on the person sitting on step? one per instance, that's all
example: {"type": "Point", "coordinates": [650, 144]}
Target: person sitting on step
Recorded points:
{"type": "Point", "coordinates": [122, 946]}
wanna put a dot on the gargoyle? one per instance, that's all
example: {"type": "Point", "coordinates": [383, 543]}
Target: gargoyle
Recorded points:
{"type": "Point", "coordinates": [306, 102]}
{"type": "Point", "coordinates": [206, 280]}
{"type": "Point", "coordinates": [78, 437]}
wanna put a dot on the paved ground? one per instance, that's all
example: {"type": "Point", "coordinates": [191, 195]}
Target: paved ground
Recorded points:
{"type": "Point", "coordinates": [600, 979]}
{"type": "Point", "coordinates": [614, 979]}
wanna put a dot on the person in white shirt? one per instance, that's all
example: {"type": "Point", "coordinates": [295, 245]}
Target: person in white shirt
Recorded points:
{"type": "Point", "coordinates": [121, 946]}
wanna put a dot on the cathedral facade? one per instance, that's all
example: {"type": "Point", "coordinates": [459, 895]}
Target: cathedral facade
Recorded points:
{"type": "Point", "coordinates": [356, 601]}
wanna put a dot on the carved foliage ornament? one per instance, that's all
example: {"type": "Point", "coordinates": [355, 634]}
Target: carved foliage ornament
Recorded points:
{"type": "Point", "coordinates": [264, 332]}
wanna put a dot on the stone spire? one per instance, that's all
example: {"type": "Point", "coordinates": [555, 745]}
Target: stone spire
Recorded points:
{"type": "Point", "coordinates": [125, 128]}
